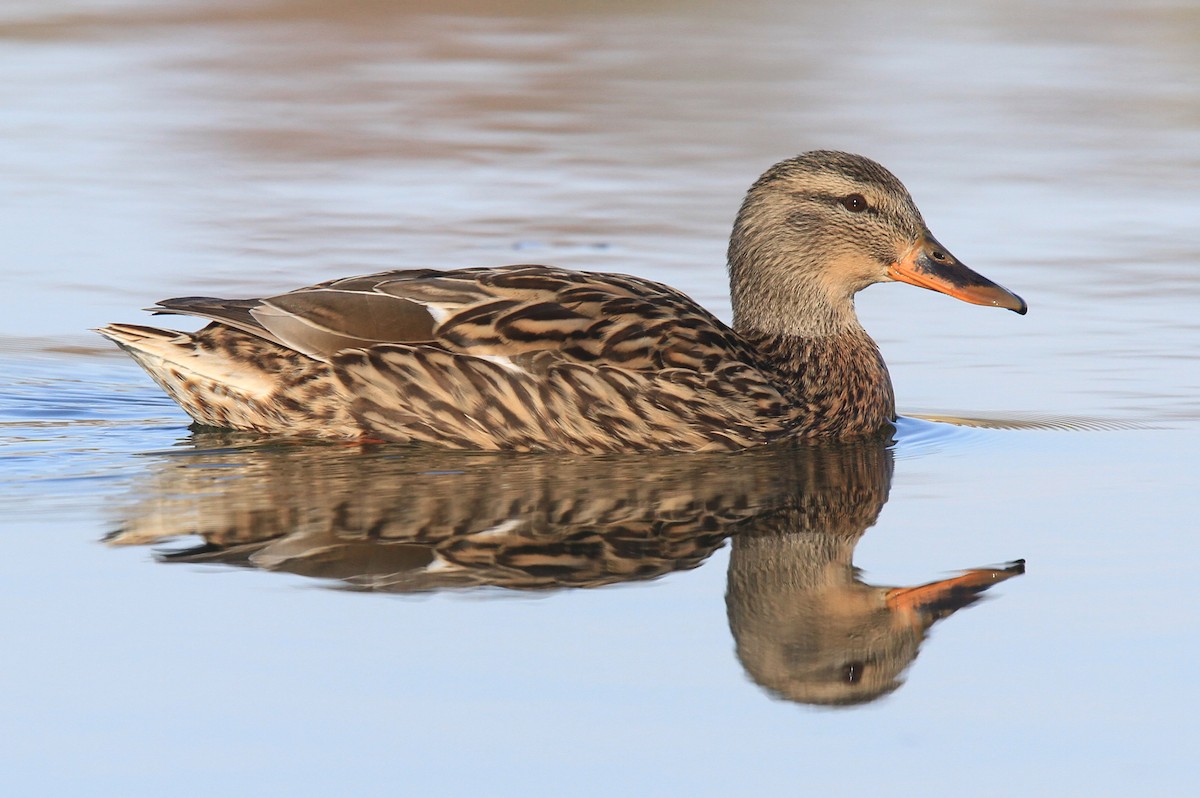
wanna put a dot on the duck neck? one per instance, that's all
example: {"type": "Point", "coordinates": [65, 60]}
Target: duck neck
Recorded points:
{"type": "Point", "coordinates": [803, 326]}
{"type": "Point", "coordinates": [837, 385]}
{"type": "Point", "coordinates": [802, 309]}
{"type": "Point", "coordinates": [783, 285]}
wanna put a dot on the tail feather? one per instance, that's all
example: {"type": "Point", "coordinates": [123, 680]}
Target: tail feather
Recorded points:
{"type": "Point", "coordinates": [224, 377]}
{"type": "Point", "coordinates": [178, 357]}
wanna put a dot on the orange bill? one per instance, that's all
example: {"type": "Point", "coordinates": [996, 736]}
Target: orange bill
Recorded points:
{"type": "Point", "coordinates": [947, 595]}
{"type": "Point", "coordinates": [930, 265]}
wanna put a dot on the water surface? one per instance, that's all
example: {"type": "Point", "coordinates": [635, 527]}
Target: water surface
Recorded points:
{"type": "Point", "coordinates": [192, 613]}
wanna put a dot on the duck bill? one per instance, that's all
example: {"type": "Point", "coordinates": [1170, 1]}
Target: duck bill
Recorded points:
{"type": "Point", "coordinates": [929, 265]}
{"type": "Point", "coordinates": [942, 598]}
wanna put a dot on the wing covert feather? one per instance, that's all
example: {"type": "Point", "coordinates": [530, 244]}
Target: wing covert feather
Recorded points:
{"type": "Point", "coordinates": [622, 321]}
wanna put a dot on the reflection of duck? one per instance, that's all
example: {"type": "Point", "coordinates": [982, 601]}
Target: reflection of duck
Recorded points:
{"type": "Point", "coordinates": [806, 627]}
{"type": "Point", "coordinates": [537, 358]}
{"type": "Point", "coordinates": [408, 521]}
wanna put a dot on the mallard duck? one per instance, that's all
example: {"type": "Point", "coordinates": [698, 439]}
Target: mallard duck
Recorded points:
{"type": "Point", "coordinates": [539, 358]}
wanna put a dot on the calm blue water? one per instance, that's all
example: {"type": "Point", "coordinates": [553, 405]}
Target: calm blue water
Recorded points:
{"type": "Point", "coordinates": [197, 614]}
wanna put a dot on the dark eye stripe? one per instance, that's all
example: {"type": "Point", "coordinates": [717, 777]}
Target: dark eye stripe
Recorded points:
{"type": "Point", "coordinates": [833, 199]}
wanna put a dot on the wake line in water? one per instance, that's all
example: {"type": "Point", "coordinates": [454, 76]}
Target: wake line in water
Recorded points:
{"type": "Point", "coordinates": [1034, 421]}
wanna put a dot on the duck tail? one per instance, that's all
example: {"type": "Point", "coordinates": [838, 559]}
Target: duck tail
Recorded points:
{"type": "Point", "coordinates": [227, 378]}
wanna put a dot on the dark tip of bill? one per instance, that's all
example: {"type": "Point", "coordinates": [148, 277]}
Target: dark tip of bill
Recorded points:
{"type": "Point", "coordinates": [1022, 306]}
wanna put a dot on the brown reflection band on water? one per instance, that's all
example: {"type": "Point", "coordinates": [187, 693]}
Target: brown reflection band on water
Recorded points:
{"type": "Point", "coordinates": [414, 520]}
{"type": "Point", "coordinates": [406, 520]}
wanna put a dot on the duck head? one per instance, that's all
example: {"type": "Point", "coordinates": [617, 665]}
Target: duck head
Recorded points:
{"type": "Point", "coordinates": [816, 229]}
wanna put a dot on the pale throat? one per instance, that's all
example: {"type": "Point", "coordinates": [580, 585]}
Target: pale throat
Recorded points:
{"type": "Point", "coordinates": [800, 309]}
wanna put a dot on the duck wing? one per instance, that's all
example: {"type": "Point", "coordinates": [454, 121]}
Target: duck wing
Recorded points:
{"type": "Point", "coordinates": [503, 312]}
{"type": "Point", "coordinates": [320, 320]}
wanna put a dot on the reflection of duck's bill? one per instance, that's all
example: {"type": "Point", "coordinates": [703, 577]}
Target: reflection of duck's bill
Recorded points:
{"type": "Point", "coordinates": [930, 265]}
{"type": "Point", "coordinates": [947, 595]}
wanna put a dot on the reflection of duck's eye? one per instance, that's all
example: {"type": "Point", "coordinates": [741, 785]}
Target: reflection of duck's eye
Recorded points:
{"type": "Point", "coordinates": [852, 672]}
{"type": "Point", "coordinates": [854, 202]}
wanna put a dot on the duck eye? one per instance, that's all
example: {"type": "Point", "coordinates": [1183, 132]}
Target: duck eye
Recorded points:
{"type": "Point", "coordinates": [855, 203]}
{"type": "Point", "coordinates": [852, 672]}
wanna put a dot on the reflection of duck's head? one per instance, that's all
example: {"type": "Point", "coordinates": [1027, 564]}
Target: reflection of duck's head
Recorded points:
{"type": "Point", "coordinates": [806, 628]}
